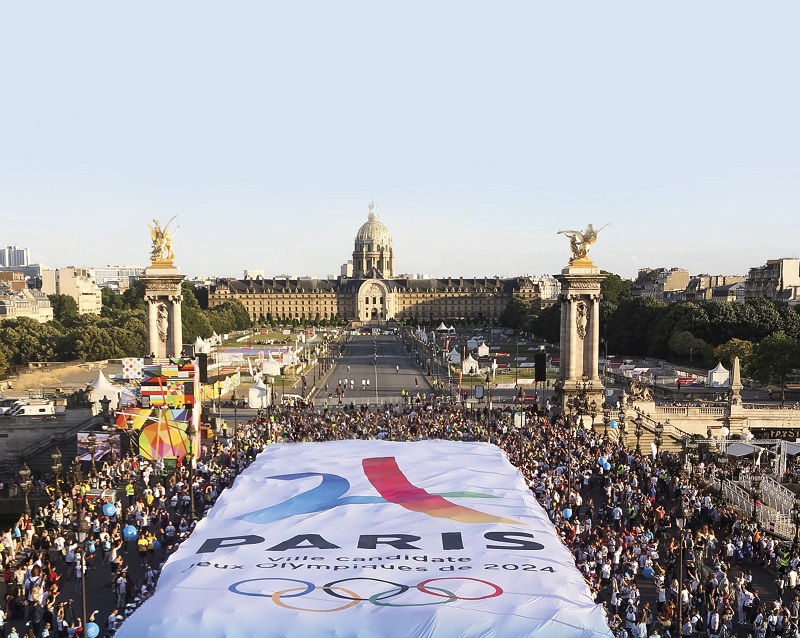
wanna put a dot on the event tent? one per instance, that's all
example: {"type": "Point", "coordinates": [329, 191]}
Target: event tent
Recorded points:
{"type": "Point", "coordinates": [719, 377]}
{"type": "Point", "coordinates": [102, 387]}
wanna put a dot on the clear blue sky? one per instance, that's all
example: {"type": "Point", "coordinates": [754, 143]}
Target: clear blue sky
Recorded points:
{"type": "Point", "coordinates": [480, 129]}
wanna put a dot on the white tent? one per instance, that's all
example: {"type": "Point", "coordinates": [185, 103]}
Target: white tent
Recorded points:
{"type": "Point", "coordinates": [271, 367]}
{"type": "Point", "coordinates": [483, 350]}
{"type": "Point", "coordinates": [470, 365]}
{"type": "Point", "coordinates": [101, 387]}
{"type": "Point", "coordinates": [201, 346]}
{"type": "Point", "coordinates": [258, 396]}
{"type": "Point", "coordinates": [442, 327]}
{"type": "Point", "coordinates": [472, 344]}
{"type": "Point", "coordinates": [719, 377]}
{"type": "Point", "coordinates": [740, 449]}
{"type": "Point", "coordinates": [451, 329]}
{"type": "Point", "coordinates": [454, 357]}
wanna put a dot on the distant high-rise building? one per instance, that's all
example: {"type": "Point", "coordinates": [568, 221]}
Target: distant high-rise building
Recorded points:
{"type": "Point", "coordinates": [14, 256]}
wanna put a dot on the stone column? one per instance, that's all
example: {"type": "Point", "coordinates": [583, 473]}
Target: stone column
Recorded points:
{"type": "Point", "coordinates": [152, 326]}
{"type": "Point", "coordinates": [573, 344]}
{"type": "Point", "coordinates": [580, 344]}
{"type": "Point", "coordinates": [175, 325]}
{"type": "Point", "coordinates": [594, 339]}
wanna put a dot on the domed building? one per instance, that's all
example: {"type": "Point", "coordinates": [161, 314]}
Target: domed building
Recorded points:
{"type": "Point", "coordinates": [373, 248]}
{"type": "Point", "coordinates": [369, 291]}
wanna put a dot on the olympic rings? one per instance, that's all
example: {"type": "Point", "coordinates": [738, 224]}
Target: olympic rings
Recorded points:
{"type": "Point", "coordinates": [375, 600]}
{"type": "Point", "coordinates": [335, 590]}
{"type": "Point", "coordinates": [497, 591]}
{"type": "Point", "coordinates": [403, 588]}
{"type": "Point", "coordinates": [276, 598]}
{"type": "Point", "coordinates": [309, 587]}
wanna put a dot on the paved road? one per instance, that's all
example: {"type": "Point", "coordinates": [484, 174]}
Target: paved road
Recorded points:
{"type": "Point", "coordinates": [382, 360]}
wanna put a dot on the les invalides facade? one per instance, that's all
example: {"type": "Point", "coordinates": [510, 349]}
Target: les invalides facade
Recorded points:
{"type": "Point", "coordinates": [372, 292]}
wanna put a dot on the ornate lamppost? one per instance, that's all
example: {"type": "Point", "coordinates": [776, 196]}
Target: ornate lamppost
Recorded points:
{"type": "Point", "coordinates": [25, 486]}
{"type": "Point", "coordinates": [91, 445]}
{"type": "Point", "coordinates": [659, 438]}
{"type": "Point", "coordinates": [75, 471]}
{"type": "Point", "coordinates": [623, 426]}
{"type": "Point", "coordinates": [56, 468]}
{"type": "Point", "coordinates": [112, 442]}
{"type": "Point", "coordinates": [756, 483]}
{"type": "Point", "coordinates": [606, 421]}
{"type": "Point", "coordinates": [191, 432]}
{"type": "Point", "coordinates": [638, 431]}
{"type": "Point", "coordinates": [680, 523]}
{"type": "Point", "coordinates": [593, 412]}
{"type": "Point", "coordinates": [83, 531]}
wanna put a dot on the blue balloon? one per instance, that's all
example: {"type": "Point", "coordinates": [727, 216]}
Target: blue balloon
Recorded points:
{"type": "Point", "coordinates": [109, 509]}
{"type": "Point", "coordinates": [607, 466]}
{"type": "Point", "coordinates": [130, 533]}
{"type": "Point", "coordinates": [613, 424]}
{"type": "Point", "coordinates": [567, 513]}
{"type": "Point", "coordinates": [602, 461]}
{"type": "Point", "coordinates": [156, 545]}
{"type": "Point", "coordinates": [92, 630]}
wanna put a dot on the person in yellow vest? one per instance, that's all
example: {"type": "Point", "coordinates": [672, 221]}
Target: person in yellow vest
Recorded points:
{"type": "Point", "coordinates": [141, 545]}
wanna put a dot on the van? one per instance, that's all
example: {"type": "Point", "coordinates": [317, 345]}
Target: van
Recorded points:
{"type": "Point", "coordinates": [33, 408]}
{"type": "Point", "coordinates": [290, 399]}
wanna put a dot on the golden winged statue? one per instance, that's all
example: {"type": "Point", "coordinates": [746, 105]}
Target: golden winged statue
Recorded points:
{"type": "Point", "coordinates": [579, 243]}
{"type": "Point", "coordinates": [162, 241]}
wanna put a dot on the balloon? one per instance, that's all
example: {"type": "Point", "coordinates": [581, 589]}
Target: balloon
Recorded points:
{"type": "Point", "coordinates": [602, 460]}
{"type": "Point", "coordinates": [567, 513]}
{"type": "Point", "coordinates": [130, 533]}
{"type": "Point", "coordinates": [606, 466]}
{"type": "Point", "coordinates": [109, 509]}
{"type": "Point", "coordinates": [156, 545]}
{"type": "Point", "coordinates": [613, 424]}
{"type": "Point", "coordinates": [92, 630]}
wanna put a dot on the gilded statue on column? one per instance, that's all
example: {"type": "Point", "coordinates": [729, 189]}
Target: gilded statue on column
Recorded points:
{"type": "Point", "coordinates": [579, 243]}
{"type": "Point", "coordinates": [161, 237]}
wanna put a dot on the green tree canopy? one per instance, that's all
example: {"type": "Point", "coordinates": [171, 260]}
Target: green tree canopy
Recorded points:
{"type": "Point", "coordinates": [776, 356]}
{"type": "Point", "coordinates": [64, 307]}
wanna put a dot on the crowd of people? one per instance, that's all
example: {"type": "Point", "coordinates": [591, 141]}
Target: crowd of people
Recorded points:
{"type": "Point", "coordinates": [655, 546]}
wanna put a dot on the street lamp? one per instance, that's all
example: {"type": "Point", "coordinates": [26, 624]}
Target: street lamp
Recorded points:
{"type": "Point", "coordinates": [623, 427]}
{"type": "Point", "coordinates": [83, 530]}
{"type": "Point", "coordinates": [112, 442]}
{"type": "Point", "coordinates": [680, 522]}
{"type": "Point", "coordinates": [91, 445]}
{"type": "Point", "coordinates": [593, 412]}
{"type": "Point", "coordinates": [606, 421]}
{"type": "Point", "coordinates": [659, 438]}
{"type": "Point", "coordinates": [56, 467]}
{"type": "Point", "coordinates": [25, 485]}
{"type": "Point", "coordinates": [756, 483]}
{"type": "Point", "coordinates": [638, 431]}
{"type": "Point", "coordinates": [235, 431]}
{"type": "Point", "coordinates": [76, 471]}
{"type": "Point", "coordinates": [191, 432]}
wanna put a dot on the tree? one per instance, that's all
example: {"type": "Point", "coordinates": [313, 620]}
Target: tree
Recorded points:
{"type": "Point", "coordinates": [614, 288]}
{"type": "Point", "coordinates": [726, 353]}
{"type": "Point", "coordinates": [687, 346]}
{"type": "Point", "coordinates": [64, 307]}
{"type": "Point", "coordinates": [516, 314]}
{"type": "Point", "coordinates": [775, 358]}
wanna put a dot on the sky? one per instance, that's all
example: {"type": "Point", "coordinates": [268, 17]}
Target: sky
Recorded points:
{"type": "Point", "coordinates": [479, 129]}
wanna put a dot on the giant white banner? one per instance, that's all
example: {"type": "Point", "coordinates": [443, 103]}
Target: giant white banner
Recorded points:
{"type": "Point", "coordinates": [373, 539]}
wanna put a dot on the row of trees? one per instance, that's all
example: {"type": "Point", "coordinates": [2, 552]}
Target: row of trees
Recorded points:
{"type": "Point", "coordinates": [762, 333]}
{"type": "Point", "coordinates": [119, 331]}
